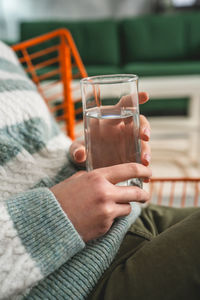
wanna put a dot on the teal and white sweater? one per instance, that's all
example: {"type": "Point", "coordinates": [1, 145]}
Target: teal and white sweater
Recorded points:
{"type": "Point", "coordinates": [42, 256]}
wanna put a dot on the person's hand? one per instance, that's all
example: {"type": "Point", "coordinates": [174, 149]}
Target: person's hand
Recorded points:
{"type": "Point", "coordinates": [145, 131]}
{"type": "Point", "coordinates": [92, 201]}
{"type": "Point", "coordinates": [77, 149]}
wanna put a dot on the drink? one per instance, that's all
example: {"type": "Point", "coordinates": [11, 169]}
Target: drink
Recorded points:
{"type": "Point", "coordinates": [111, 121]}
{"type": "Point", "coordinates": [112, 137]}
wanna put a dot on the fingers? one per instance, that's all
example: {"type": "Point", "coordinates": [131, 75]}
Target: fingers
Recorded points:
{"type": "Point", "coordinates": [145, 131]}
{"type": "Point", "coordinates": [77, 151]}
{"type": "Point", "coordinates": [122, 172]}
{"type": "Point", "coordinates": [126, 194]}
{"type": "Point", "coordinates": [145, 153]}
{"type": "Point", "coordinates": [145, 128]}
{"type": "Point", "coordinates": [122, 210]}
{"type": "Point", "coordinates": [145, 136]}
{"type": "Point", "coordinates": [130, 100]}
{"type": "Point", "coordinates": [143, 97]}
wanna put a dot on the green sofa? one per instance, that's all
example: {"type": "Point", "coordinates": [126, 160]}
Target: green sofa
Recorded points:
{"type": "Point", "coordinates": [153, 45]}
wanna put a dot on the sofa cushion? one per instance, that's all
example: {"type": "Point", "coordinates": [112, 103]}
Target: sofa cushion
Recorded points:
{"type": "Point", "coordinates": [153, 38]}
{"type": "Point", "coordinates": [193, 23]}
{"type": "Point", "coordinates": [102, 70]}
{"type": "Point", "coordinates": [165, 107]}
{"type": "Point", "coordinates": [97, 41]}
{"type": "Point", "coordinates": [163, 68]}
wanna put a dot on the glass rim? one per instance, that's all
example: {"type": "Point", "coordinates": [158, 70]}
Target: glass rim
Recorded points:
{"type": "Point", "coordinates": [106, 79]}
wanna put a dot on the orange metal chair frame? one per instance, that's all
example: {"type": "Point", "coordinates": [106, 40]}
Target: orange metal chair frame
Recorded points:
{"type": "Point", "coordinates": [66, 60]}
{"type": "Point", "coordinates": [156, 189]}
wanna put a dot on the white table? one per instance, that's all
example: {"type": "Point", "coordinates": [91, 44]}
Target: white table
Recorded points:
{"type": "Point", "coordinates": [163, 127]}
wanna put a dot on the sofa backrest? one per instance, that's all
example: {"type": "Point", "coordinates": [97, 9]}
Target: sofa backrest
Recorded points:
{"type": "Point", "coordinates": [192, 21]}
{"type": "Point", "coordinates": [153, 38]}
{"type": "Point", "coordinates": [97, 41]}
{"type": "Point", "coordinates": [160, 37]}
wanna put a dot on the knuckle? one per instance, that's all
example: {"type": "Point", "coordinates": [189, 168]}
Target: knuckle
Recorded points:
{"type": "Point", "coordinates": [141, 195]}
{"type": "Point", "coordinates": [135, 168]}
{"type": "Point", "coordinates": [107, 212]}
{"type": "Point", "coordinates": [136, 193]}
{"type": "Point", "coordinates": [104, 227]}
{"type": "Point", "coordinates": [94, 177]}
{"type": "Point", "coordinates": [100, 194]}
{"type": "Point", "coordinates": [103, 195]}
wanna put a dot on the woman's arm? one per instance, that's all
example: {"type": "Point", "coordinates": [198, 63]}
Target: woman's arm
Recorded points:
{"type": "Point", "coordinates": [36, 238]}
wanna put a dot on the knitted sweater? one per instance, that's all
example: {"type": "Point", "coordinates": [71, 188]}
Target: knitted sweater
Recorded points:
{"type": "Point", "coordinates": [42, 256]}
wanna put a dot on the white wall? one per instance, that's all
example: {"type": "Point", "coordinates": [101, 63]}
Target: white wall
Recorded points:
{"type": "Point", "coordinates": [12, 11]}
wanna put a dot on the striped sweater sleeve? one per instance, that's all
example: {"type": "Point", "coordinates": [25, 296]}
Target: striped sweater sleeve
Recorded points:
{"type": "Point", "coordinates": [36, 238]}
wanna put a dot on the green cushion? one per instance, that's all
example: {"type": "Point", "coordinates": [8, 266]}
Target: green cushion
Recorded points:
{"type": "Point", "coordinates": [153, 38]}
{"type": "Point", "coordinates": [102, 70]}
{"type": "Point", "coordinates": [163, 68]}
{"type": "Point", "coordinates": [194, 35]}
{"type": "Point", "coordinates": [97, 41]}
{"type": "Point", "coordinates": [165, 107]}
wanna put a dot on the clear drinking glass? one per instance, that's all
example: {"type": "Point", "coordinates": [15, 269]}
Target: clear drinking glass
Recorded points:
{"type": "Point", "coordinates": [111, 121]}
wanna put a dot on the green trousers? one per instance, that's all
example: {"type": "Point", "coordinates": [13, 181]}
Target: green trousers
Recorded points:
{"type": "Point", "coordinates": [159, 258]}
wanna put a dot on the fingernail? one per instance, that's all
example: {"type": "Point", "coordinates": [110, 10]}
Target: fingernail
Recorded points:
{"type": "Point", "coordinates": [147, 133]}
{"type": "Point", "coordinates": [147, 157]}
{"type": "Point", "coordinates": [76, 155]}
{"type": "Point", "coordinates": [79, 155]}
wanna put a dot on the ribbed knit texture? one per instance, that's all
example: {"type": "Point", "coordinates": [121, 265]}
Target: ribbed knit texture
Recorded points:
{"type": "Point", "coordinates": [48, 227]}
{"type": "Point", "coordinates": [77, 278]}
{"type": "Point", "coordinates": [42, 256]}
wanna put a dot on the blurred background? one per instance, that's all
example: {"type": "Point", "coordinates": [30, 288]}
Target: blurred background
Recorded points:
{"type": "Point", "coordinates": [13, 12]}
{"type": "Point", "coordinates": [157, 39]}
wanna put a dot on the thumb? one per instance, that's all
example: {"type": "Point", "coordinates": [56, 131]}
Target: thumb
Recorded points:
{"type": "Point", "coordinates": [77, 152]}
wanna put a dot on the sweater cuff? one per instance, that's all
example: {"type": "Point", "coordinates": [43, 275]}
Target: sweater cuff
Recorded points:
{"type": "Point", "coordinates": [44, 229]}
